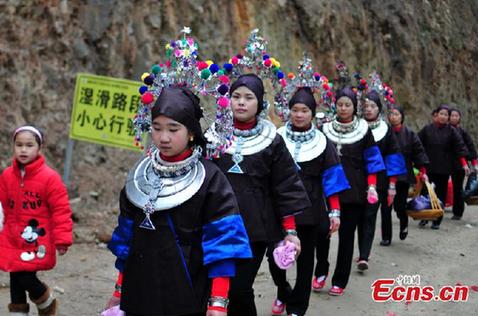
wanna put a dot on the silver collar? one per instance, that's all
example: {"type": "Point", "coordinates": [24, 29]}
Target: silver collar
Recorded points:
{"type": "Point", "coordinates": [379, 129]}
{"type": "Point", "coordinates": [349, 133]}
{"type": "Point", "coordinates": [255, 142]}
{"type": "Point", "coordinates": [156, 185]}
{"type": "Point", "coordinates": [303, 146]}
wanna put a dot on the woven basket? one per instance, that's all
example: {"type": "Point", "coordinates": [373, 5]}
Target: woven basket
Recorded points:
{"type": "Point", "coordinates": [472, 200]}
{"type": "Point", "coordinates": [428, 214]}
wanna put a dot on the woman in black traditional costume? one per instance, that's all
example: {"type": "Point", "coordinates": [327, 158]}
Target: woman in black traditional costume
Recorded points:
{"type": "Point", "coordinates": [458, 174]}
{"type": "Point", "coordinates": [361, 160]}
{"type": "Point", "coordinates": [266, 183]}
{"type": "Point", "coordinates": [323, 177]}
{"type": "Point", "coordinates": [415, 156]}
{"type": "Point", "coordinates": [179, 230]}
{"type": "Point", "coordinates": [443, 144]}
{"type": "Point", "coordinates": [386, 180]}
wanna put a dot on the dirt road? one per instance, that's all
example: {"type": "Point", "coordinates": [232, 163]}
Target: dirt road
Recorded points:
{"type": "Point", "coordinates": [84, 278]}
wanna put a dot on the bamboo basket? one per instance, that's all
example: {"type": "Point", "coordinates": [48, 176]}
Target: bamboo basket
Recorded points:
{"type": "Point", "coordinates": [472, 200]}
{"type": "Point", "coordinates": [428, 214]}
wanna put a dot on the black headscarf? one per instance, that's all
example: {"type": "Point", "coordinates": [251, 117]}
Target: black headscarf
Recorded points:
{"type": "Point", "coordinates": [347, 92]}
{"type": "Point", "coordinates": [253, 83]}
{"type": "Point", "coordinates": [375, 97]}
{"type": "Point", "coordinates": [304, 95]}
{"type": "Point", "coordinates": [441, 107]}
{"type": "Point", "coordinates": [181, 105]}
{"type": "Point", "coordinates": [399, 108]}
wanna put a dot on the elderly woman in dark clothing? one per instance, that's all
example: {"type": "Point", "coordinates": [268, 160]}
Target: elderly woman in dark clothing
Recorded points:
{"type": "Point", "coordinates": [361, 160]}
{"type": "Point", "coordinates": [458, 174]}
{"type": "Point", "coordinates": [415, 156]}
{"type": "Point", "coordinates": [443, 144]}
{"type": "Point", "coordinates": [268, 188]}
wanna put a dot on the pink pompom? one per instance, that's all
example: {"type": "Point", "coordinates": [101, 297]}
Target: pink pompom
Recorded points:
{"type": "Point", "coordinates": [234, 60]}
{"type": "Point", "coordinates": [223, 102]}
{"type": "Point", "coordinates": [267, 62]}
{"type": "Point", "coordinates": [224, 79]}
{"type": "Point", "coordinates": [326, 86]}
{"type": "Point", "coordinates": [283, 82]}
{"type": "Point", "coordinates": [147, 98]}
{"type": "Point", "coordinates": [329, 93]}
{"type": "Point", "coordinates": [202, 65]}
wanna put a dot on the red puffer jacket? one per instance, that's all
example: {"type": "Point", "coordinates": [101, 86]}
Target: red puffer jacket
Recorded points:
{"type": "Point", "coordinates": [37, 217]}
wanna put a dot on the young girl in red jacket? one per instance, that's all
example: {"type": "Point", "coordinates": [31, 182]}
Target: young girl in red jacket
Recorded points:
{"type": "Point", "coordinates": [37, 223]}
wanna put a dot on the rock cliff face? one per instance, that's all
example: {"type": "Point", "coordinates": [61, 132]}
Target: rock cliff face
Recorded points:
{"type": "Point", "coordinates": [426, 50]}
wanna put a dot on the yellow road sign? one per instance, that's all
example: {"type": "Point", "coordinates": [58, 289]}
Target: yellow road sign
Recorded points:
{"type": "Point", "coordinates": [103, 109]}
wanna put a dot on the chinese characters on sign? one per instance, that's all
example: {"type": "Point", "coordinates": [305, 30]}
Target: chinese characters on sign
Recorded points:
{"type": "Point", "coordinates": [103, 109]}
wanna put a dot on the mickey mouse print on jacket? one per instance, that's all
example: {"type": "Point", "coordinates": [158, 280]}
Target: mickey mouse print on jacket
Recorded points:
{"type": "Point", "coordinates": [37, 217]}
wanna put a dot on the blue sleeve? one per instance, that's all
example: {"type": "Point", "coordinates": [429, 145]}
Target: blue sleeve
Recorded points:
{"type": "Point", "coordinates": [334, 180]}
{"type": "Point", "coordinates": [223, 239]}
{"type": "Point", "coordinates": [222, 268]}
{"type": "Point", "coordinates": [120, 241]}
{"type": "Point", "coordinates": [395, 164]}
{"type": "Point", "coordinates": [373, 159]}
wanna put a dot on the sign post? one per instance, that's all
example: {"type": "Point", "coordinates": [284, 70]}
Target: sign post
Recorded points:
{"type": "Point", "coordinates": [102, 113]}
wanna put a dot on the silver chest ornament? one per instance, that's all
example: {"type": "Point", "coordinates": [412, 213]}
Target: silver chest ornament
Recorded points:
{"type": "Point", "coordinates": [249, 142]}
{"type": "Point", "coordinates": [345, 133]}
{"type": "Point", "coordinates": [379, 129]}
{"type": "Point", "coordinates": [156, 185]}
{"type": "Point", "coordinates": [303, 146]}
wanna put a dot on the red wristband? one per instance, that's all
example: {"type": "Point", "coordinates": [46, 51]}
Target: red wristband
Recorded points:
{"type": "Point", "coordinates": [463, 161]}
{"type": "Point", "coordinates": [220, 286]}
{"type": "Point", "coordinates": [474, 162]}
{"type": "Point", "coordinates": [119, 282]}
{"type": "Point", "coordinates": [372, 179]}
{"type": "Point", "coordinates": [334, 202]}
{"type": "Point", "coordinates": [288, 222]}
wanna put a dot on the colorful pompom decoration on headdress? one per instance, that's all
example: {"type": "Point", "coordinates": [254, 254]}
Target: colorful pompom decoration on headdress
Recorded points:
{"type": "Point", "coordinates": [256, 60]}
{"type": "Point", "coordinates": [374, 83]}
{"type": "Point", "coordinates": [205, 78]}
{"type": "Point", "coordinates": [306, 77]}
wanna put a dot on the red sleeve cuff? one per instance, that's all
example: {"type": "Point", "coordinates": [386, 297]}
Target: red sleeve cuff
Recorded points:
{"type": "Point", "coordinates": [334, 202]}
{"type": "Point", "coordinates": [119, 282]}
{"type": "Point", "coordinates": [392, 180]}
{"type": "Point", "coordinates": [463, 161]}
{"type": "Point", "coordinates": [217, 308]}
{"type": "Point", "coordinates": [423, 170]}
{"type": "Point", "coordinates": [220, 287]}
{"type": "Point", "coordinates": [288, 222]}
{"type": "Point", "coordinates": [372, 179]}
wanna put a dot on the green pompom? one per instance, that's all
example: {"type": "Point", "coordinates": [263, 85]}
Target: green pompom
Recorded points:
{"type": "Point", "coordinates": [275, 70]}
{"type": "Point", "coordinates": [220, 72]}
{"type": "Point", "coordinates": [156, 69]}
{"type": "Point", "coordinates": [169, 51]}
{"type": "Point", "coordinates": [205, 73]}
{"type": "Point", "coordinates": [174, 63]}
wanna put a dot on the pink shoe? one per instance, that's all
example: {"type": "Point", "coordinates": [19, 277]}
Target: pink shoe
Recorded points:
{"type": "Point", "coordinates": [318, 283]}
{"type": "Point", "coordinates": [278, 307]}
{"type": "Point", "coordinates": [336, 291]}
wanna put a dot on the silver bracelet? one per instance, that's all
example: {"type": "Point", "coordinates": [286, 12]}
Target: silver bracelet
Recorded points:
{"type": "Point", "coordinates": [292, 232]}
{"type": "Point", "coordinates": [218, 301]}
{"type": "Point", "coordinates": [334, 213]}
